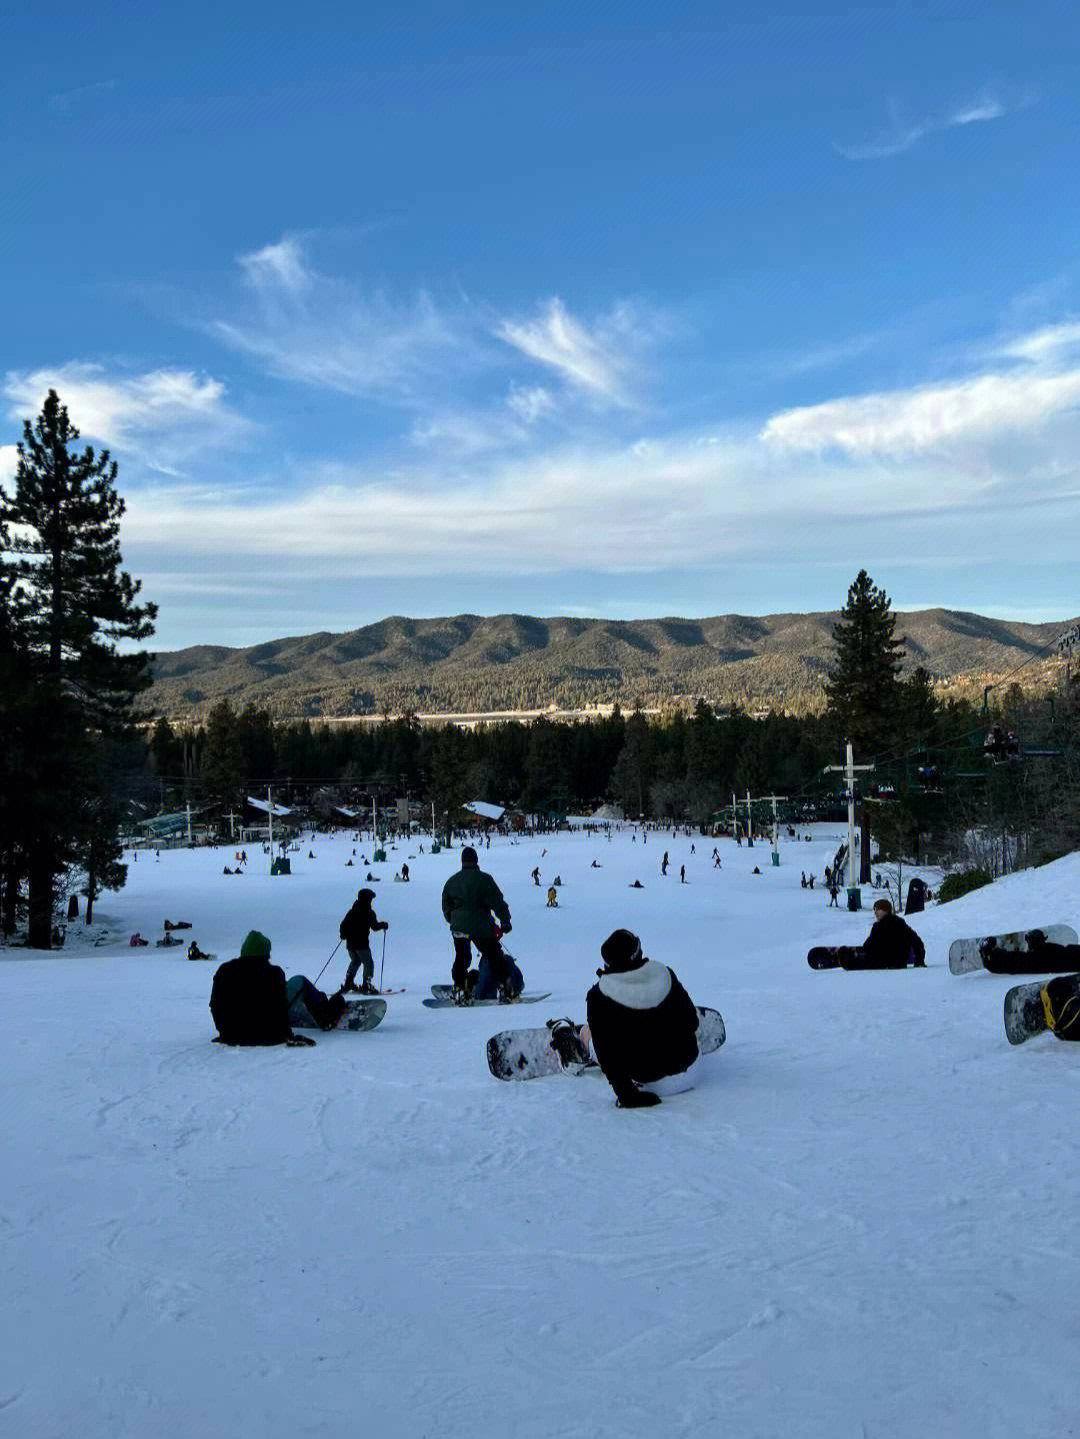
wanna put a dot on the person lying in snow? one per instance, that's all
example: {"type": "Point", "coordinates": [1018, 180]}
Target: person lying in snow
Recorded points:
{"type": "Point", "coordinates": [1041, 956]}
{"type": "Point", "coordinates": [250, 999]}
{"type": "Point", "coordinates": [642, 1026]}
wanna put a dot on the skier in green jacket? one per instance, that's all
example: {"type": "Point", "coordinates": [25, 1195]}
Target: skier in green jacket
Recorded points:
{"type": "Point", "coordinates": [471, 904]}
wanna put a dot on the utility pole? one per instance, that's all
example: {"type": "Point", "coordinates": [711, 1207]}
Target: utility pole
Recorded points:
{"type": "Point", "coordinates": [850, 769]}
{"type": "Point", "coordinates": [270, 820]}
{"type": "Point", "coordinates": [189, 823]}
{"type": "Point", "coordinates": [749, 823]}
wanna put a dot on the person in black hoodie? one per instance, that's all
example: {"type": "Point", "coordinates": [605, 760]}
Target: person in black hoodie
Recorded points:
{"type": "Point", "coordinates": [355, 929]}
{"type": "Point", "coordinates": [642, 1023]}
{"type": "Point", "coordinates": [891, 943]}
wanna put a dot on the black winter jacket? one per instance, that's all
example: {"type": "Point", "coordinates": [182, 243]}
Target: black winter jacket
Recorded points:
{"type": "Point", "coordinates": [356, 927]}
{"type": "Point", "coordinates": [892, 944]}
{"type": "Point", "coordinates": [249, 1003]}
{"type": "Point", "coordinates": [643, 1026]}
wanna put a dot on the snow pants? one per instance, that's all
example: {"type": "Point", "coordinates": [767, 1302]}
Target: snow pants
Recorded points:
{"type": "Point", "coordinates": [359, 955]}
{"type": "Point", "coordinates": [302, 994]}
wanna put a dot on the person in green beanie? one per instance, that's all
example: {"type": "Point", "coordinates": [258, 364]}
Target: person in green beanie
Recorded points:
{"type": "Point", "coordinates": [251, 998]}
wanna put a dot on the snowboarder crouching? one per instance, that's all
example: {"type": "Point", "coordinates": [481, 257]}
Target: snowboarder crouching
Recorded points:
{"type": "Point", "coordinates": [552, 897]}
{"type": "Point", "coordinates": [642, 1025]}
{"type": "Point", "coordinates": [355, 929]}
{"type": "Point", "coordinates": [250, 999]}
{"type": "Point", "coordinates": [469, 900]}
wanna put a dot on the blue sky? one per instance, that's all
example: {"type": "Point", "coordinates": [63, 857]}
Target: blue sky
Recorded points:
{"type": "Point", "coordinates": [599, 310]}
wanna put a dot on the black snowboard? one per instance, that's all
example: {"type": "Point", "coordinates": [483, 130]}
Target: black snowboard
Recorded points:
{"type": "Point", "coordinates": [1025, 1013]}
{"type": "Point", "coordinates": [830, 956]}
{"type": "Point", "coordinates": [446, 1002]}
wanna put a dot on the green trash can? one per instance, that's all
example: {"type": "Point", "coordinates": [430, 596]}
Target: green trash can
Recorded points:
{"type": "Point", "coordinates": [379, 856]}
{"type": "Point", "coordinates": [854, 899]}
{"type": "Point", "coordinates": [776, 857]}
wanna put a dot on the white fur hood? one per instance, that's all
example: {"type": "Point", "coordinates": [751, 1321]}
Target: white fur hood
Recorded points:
{"type": "Point", "coordinates": [642, 988]}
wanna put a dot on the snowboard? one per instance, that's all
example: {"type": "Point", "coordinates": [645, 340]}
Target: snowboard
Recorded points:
{"type": "Point", "coordinates": [359, 1014]}
{"type": "Point", "coordinates": [1025, 1014]}
{"type": "Point", "coordinates": [964, 955]}
{"type": "Point", "coordinates": [827, 956]}
{"type": "Point", "coordinates": [445, 1001]}
{"type": "Point", "coordinates": [527, 1053]}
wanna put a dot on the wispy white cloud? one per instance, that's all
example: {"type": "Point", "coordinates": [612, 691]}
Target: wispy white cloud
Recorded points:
{"type": "Point", "coordinates": [281, 265]}
{"type": "Point", "coordinates": [901, 134]}
{"type": "Point", "coordinates": [596, 359]}
{"type": "Point", "coordinates": [904, 421]}
{"type": "Point", "coordinates": [530, 402]}
{"type": "Point", "coordinates": [9, 458]}
{"type": "Point", "coordinates": [163, 416]}
{"type": "Point", "coordinates": [1040, 384]}
{"type": "Point", "coordinates": [327, 332]}
{"type": "Point", "coordinates": [66, 100]}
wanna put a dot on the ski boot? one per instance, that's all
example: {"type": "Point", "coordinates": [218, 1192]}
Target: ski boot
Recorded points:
{"type": "Point", "coordinates": [566, 1042]}
{"type": "Point", "coordinates": [368, 987]}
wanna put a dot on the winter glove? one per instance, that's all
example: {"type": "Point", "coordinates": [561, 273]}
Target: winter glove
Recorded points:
{"type": "Point", "coordinates": [637, 1099]}
{"type": "Point", "coordinates": [300, 1041]}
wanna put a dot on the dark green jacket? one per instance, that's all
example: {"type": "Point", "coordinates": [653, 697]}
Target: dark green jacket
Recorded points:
{"type": "Point", "coordinates": [468, 899]}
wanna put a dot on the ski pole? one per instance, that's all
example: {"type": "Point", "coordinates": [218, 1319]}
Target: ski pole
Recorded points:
{"type": "Point", "coordinates": [382, 961]}
{"type": "Point", "coordinates": [332, 953]}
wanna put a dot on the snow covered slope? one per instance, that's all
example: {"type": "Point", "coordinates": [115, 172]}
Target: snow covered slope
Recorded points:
{"type": "Point", "coordinates": [860, 1223]}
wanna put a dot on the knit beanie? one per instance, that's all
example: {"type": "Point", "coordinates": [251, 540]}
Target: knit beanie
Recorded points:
{"type": "Point", "coordinates": [255, 946]}
{"type": "Point", "coordinates": [468, 856]}
{"type": "Point", "coordinates": [622, 950]}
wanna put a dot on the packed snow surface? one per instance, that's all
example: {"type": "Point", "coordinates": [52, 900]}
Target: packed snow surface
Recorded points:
{"type": "Point", "coordinates": [860, 1223]}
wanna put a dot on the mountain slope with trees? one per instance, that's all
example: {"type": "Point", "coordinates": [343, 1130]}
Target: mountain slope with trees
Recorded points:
{"type": "Point", "coordinates": [470, 663]}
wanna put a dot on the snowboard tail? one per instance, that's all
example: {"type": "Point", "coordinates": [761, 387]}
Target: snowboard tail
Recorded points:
{"type": "Point", "coordinates": [967, 955]}
{"type": "Point", "coordinates": [527, 1053]}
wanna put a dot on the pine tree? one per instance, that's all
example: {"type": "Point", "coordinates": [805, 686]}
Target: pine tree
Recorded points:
{"type": "Point", "coordinates": [863, 687]}
{"type": "Point", "coordinates": [68, 605]}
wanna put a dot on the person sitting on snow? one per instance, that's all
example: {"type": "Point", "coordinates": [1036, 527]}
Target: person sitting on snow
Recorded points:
{"type": "Point", "coordinates": [642, 1026]}
{"type": "Point", "coordinates": [891, 943]}
{"type": "Point", "coordinates": [251, 999]}
{"type": "Point", "coordinates": [194, 952]}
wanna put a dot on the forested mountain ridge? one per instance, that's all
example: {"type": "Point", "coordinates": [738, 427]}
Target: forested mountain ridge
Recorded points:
{"type": "Point", "coordinates": [469, 663]}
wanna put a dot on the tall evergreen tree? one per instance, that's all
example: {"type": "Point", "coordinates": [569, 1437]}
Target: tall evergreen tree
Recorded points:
{"type": "Point", "coordinates": [69, 605]}
{"type": "Point", "coordinates": [863, 687]}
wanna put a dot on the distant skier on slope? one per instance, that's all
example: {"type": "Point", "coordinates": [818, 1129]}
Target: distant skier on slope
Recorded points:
{"type": "Point", "coordinates": [642, 1026]}
{"type": "Point", "coordinates": [250, 999]}
{"type": "Point", "coordinates": [469, 900]}
{"type": "Point", "coordinates": [355, 929]}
